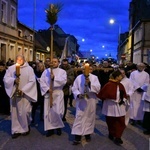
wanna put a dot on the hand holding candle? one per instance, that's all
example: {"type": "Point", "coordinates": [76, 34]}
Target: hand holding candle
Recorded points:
{"type": "Point", "coordinates": [86, 69]}
{"type": "Point", "coordinates": [18, 92]}
{"type": "Point", "coordinates": [17, 69]}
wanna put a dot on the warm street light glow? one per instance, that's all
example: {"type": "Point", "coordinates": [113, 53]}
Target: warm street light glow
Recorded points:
{"type": "Point", "coordinates": [48, 48]}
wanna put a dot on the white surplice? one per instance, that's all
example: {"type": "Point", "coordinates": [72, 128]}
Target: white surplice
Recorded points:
{"type": "Point", "coordinates": [21, 106]}
{"type": "Point", "coordinates": [53, 116]}
{"type": "Point", "coordinates": [85, 108]}
{"type": "Point", "coordinates": [129, 90]}
{"type": "Point", "coordinates": [112, 108]}
{"type": "Point", "coordinates": [146, 107]}
{"type": "Point", "coordinates": [139, 79]}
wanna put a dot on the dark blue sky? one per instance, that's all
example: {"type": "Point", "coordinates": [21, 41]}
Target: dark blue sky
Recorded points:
{"type": "Point", "coordinates": [85, 19]}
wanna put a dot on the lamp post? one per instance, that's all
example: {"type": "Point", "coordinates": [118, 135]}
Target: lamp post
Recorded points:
{"type": "Point", "coordinates": [112, 21]}
{"type": "Point", "coordinates": [91, 51]}
{"type": "Point", "coordinates": [34, 20]}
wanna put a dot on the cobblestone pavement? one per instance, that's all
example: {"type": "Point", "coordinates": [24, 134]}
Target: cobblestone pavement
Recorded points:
{"type": "Point", "coordinates": [133, 136]}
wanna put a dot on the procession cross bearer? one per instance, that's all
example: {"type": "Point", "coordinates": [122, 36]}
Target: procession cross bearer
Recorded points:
{"type": "Point", "coordinates": [20, 85]}
{"type": "Point", "coordinates": [53, 115]}
{"type": "Point", "coordinates": [52, 16]}
{"type": "Point", "coordinates": [52, 81]}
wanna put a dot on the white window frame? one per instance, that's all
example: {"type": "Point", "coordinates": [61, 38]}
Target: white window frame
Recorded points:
{"type": "Point", "coordinates": [37, 56]}
{"type": "Point", "coordinates": [4, 11]}
{"type": "Point", "coordinates": [26, 53]}
{"type": "Point", "coordinates": [31, 55]}
{"type": "Point", "coordinates": [42, 57]}
{"type": "Point", "coordinates": [19, 50]}
{"type": "Point", "coordinates": [12, 51]}
{"type": "Point", "coordinates": [13, 16]}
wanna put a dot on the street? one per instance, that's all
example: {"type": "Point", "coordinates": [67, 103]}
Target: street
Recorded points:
{"type": "Point", "coordinates": [133, 136]}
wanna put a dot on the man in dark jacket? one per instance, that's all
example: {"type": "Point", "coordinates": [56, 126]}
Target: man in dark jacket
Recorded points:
{"type": "Point", "coordinates": [70, 78]}
{"type": "Point", "coordinates": [4, 99]}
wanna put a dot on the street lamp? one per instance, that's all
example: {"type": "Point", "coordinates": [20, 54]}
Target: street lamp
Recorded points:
{"type": "Point", "coordinates": [91, 51]}
{"type": "Point", "coordinates": [83, 40]}
{"type": "Point", "coordinates": [112, 21]}
{"type": "Point", "coordinates": [48, 48]}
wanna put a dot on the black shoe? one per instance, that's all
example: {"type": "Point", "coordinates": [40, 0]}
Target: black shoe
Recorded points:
{"type": "Point", "coordinates": [15, 135]}
{"type": "Point", "coordinates": [49, 133]}
{"type": "Point", "coordinates": [139, 122]}
{"type": "Point", "coordinates": [76, 142]}
{"type": "Point", "coordinates": [26, 133]}
{"type": "Point", "coordinates": [147, 132]}
{"type": "Point", "coordinates": [132, 122]}
{"type": "Point", "coordinates": [59, 131]}
{"type": "Point", "coordinates": [118, 141]}
{"type": "Point", "coordinates": [88, 139]}
{"type": "Point", "coordinates": [110, 137]}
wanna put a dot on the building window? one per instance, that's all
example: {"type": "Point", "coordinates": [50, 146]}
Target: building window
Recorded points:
{"type": "Point", "coordinates": [19, 33]}
{"type": "Point", "coordinates": [19, 51]}
{"type": "Point", "coordinates": [31, 55]}
{"type": "Point", "coordinates": [26, 54]}
{"type": "Point", "coordinates": [42, 57]}
{"type": "Point", "coordinates": [12, 52]}
{"type": "Point", "coordinates": [4, 12]}
{"type": "Point", "coordinates": [31, 37]}
{"type": "Point", "coordinates": [13, 17]}
{"type": "Point", "coordinates": [38, 56]}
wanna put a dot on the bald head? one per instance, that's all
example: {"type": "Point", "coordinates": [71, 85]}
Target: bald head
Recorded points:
{"type": "Point", "coordinates": [140, 67]}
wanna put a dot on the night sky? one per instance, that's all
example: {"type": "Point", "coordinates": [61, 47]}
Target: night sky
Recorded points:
{"type": "Point", "coordinates": [84, 19]}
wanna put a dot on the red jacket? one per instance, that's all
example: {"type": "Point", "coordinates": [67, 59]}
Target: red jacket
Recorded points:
{"type": "Point", "coordinates": [109, 91]}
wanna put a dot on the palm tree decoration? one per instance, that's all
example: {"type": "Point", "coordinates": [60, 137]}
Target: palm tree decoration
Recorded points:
{"type": "Point", "coordinates": [52, 17]}
{"type": "Point", "coordinates": [52, 13]}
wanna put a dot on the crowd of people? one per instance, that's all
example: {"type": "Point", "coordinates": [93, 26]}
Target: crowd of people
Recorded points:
{"type": "Point", "coordinates": [51, 85]}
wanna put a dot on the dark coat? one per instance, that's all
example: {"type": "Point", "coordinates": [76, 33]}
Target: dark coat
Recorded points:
{"type": "Point", "coordinates": [70, 78]}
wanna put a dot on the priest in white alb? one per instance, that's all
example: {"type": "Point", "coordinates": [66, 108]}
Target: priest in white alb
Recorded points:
{"type": "Point", "coordinates": [20, 85]}
{"type": "Point", "coordinates": [139, 78]}
{"type": "Point", "coordinates": [85, 88]}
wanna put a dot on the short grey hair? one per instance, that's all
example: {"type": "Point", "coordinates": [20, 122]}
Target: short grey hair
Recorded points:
{"type": "Point", "coordinates": [20, 55]}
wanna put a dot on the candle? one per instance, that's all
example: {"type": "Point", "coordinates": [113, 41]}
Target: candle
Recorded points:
{"type": "Point", "coordinates": [86, 69]}
{"type": "Point", "coordinates": [17, 69]}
